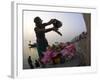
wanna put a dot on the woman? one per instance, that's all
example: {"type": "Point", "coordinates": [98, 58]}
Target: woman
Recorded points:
{"type": "Point", "coordinates": [40, 31]}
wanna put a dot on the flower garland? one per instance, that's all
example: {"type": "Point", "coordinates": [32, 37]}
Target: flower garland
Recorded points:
{"type": "Point", "coordinates": [61, 50]}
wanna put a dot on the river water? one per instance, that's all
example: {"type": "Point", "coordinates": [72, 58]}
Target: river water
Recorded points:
{"type": "Point", "coordinates": [29, 52]}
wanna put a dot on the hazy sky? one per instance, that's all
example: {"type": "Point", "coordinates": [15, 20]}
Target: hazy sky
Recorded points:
{"type": "Point", "coordinates": [73, 25]}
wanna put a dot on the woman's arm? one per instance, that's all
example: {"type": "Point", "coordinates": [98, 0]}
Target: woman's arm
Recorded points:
{"type": "Point", "coordinates": [48, 23]}
{"type": "Point", "coordinates": [45, 30]}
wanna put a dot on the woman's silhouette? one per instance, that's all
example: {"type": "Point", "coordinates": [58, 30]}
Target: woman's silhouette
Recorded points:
{"type": "Point", "coordinates": [40, 31]}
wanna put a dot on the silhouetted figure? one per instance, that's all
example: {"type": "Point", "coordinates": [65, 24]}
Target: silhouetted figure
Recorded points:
{"type": "Point", "coordinates": [40, 31]}
{"type": "Point", "coordinates": [37, 64]}
{"type": "Point", "coordinates": [30, 62]}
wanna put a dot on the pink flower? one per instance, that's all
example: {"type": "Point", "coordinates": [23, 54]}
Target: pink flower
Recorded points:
{"type": "Point", "coordinates": [48, 56]}
{"type": "Point", "coordinates": [69, 50]}
{"type": "Point", "coordinates": [64, 52]}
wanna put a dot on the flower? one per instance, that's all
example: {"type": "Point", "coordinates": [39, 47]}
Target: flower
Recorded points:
{"type": "Point", "coordinates": [64, 49]}
{"type": "Point", "coordinates": [47, 57]}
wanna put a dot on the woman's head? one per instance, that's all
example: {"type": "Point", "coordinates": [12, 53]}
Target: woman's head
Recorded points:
{"type": "Point", "coordinates": [37, 20]}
